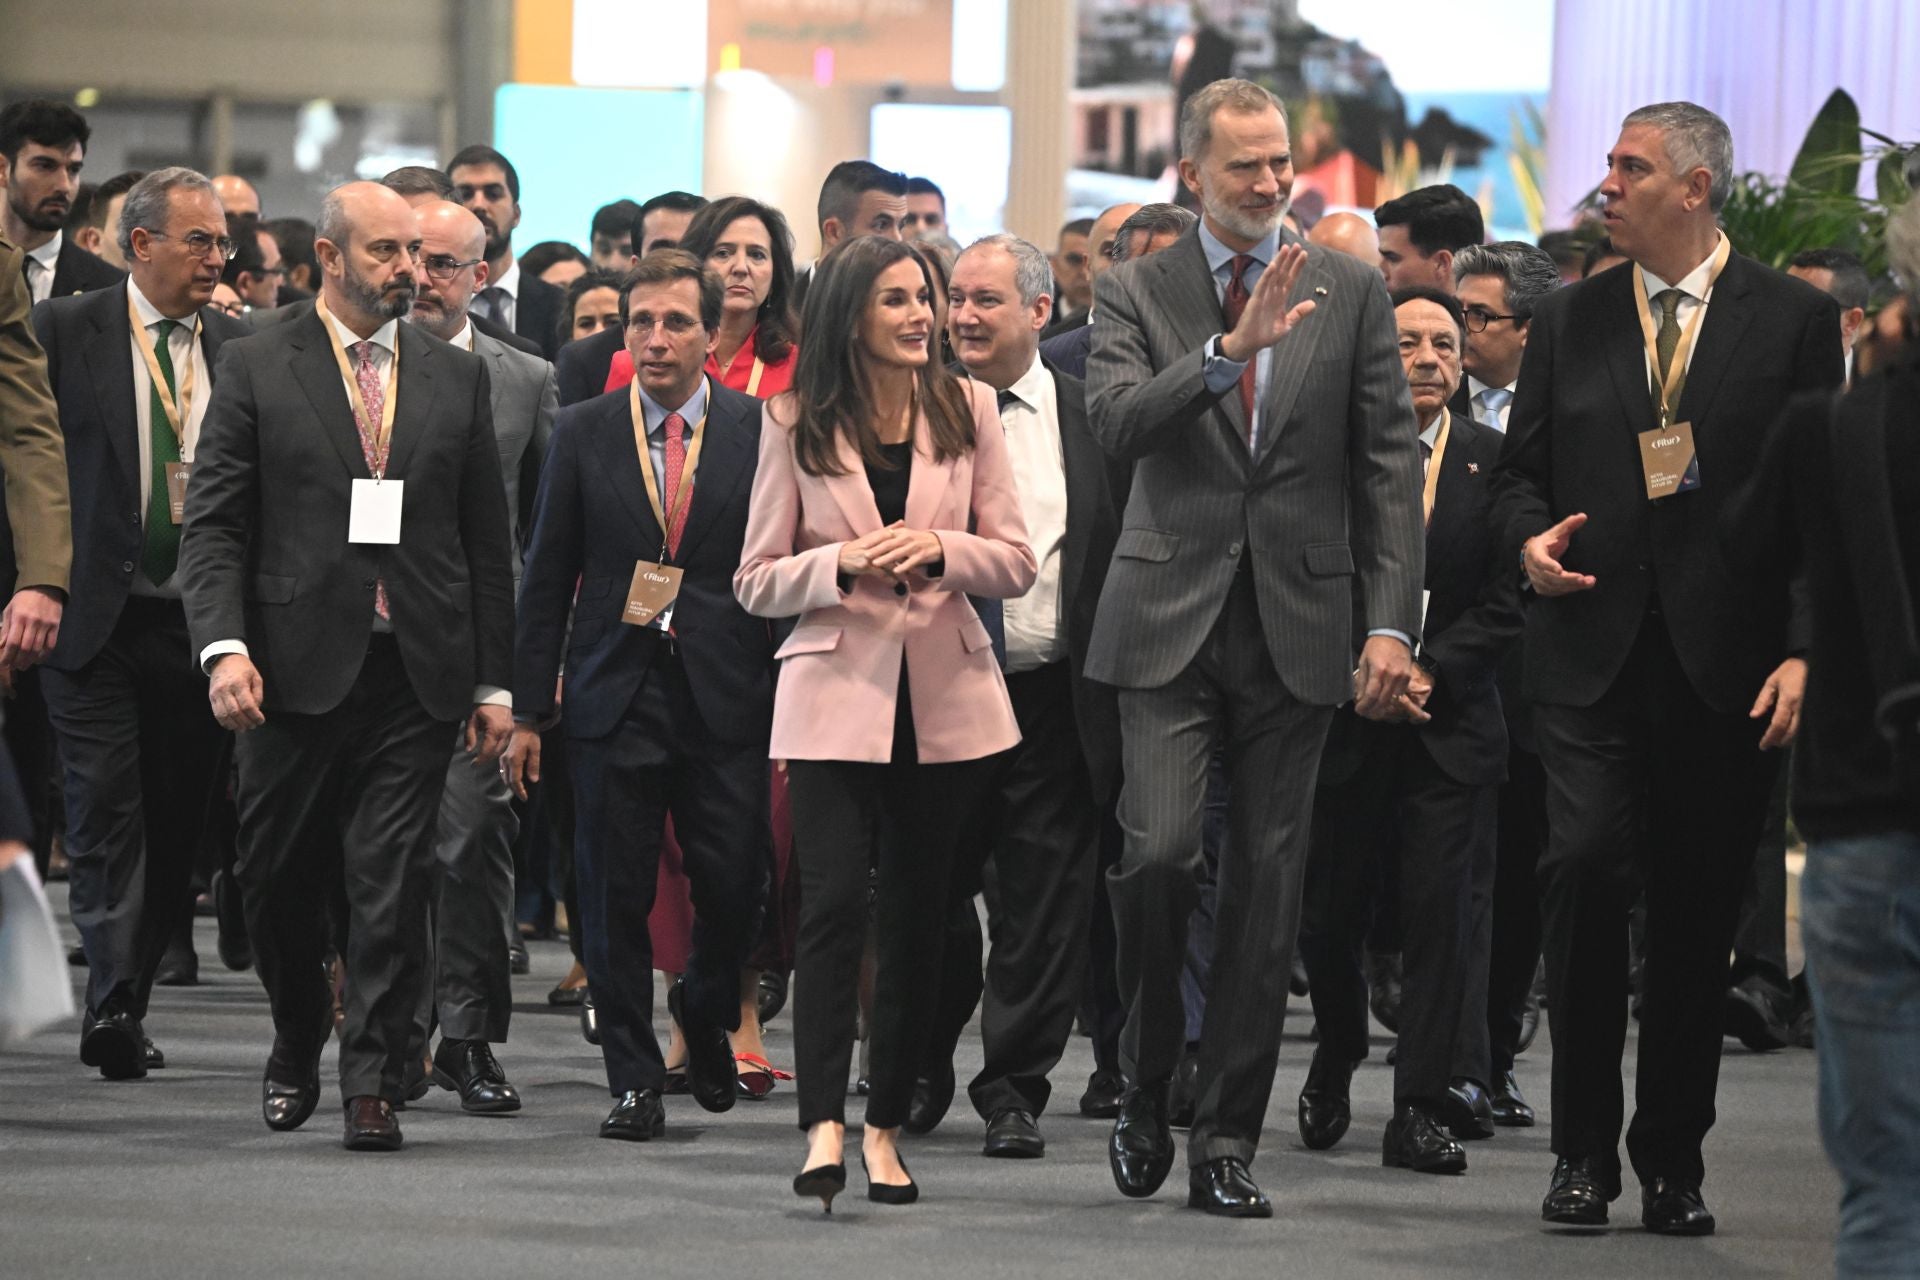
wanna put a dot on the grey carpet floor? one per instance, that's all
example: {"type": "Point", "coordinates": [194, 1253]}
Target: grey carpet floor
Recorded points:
{"type": "Point", "coordinates": [176, 1176]}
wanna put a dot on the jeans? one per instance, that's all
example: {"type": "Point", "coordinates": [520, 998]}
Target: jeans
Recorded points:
{"type": "Point", "coordinates": [1860, 907]}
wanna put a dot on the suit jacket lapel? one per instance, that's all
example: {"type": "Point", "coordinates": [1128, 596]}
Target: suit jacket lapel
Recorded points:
{"type": "Point", "coordinates": [1452, 495]}
{"type": "Point", "coordinates": [1625, 348]}
{"type": "Point", "coordinates": [108, 353]}
{"type": "Point", "coordinates": [720, 469]}
{"type": "Point", "coordinates": [1293, 356]}
{"type": "Point", "coordinates": [927, 482]}
{"type": "Point", "coordinates": [1187, 285]}
{"type": "Point", "coordinates": [319, 376]}
{"type": "Point", "coordinates": [414, 386]}
{"type": "Point", "coordinates": [1729, 312]}
{"type": "Point", "coordinates": [620, 464]}
{"type": "Point", "coordinates": [851, 492]}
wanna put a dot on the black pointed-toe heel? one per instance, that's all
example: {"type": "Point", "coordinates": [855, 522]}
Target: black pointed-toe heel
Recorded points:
{"type": "Point", "coordinates": [886, 1192]}
{"type": "Point", "coordinates": [824, 1180]}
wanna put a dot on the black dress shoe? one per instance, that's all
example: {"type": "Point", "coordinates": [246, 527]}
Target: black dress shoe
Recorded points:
{"type": "Point", "coordinates": [1225, 1189]}
{"type": "Point", "coordinates": [1800, 1013]}
{"type": "Point", "coordinates": [1383, 989]}
{"type": "Point", "coordinates": [636, 1117]}
{"type": "Point", "coordinates": [1140, 1152]}
{"type": "Point", "coordinates": [116, 1045]}
{"type": "Point", "coordinates": [589, 1021]}
{"type": "Point", "coordinates": [1015, 1135]}
{"type": "Point", "coordinates": [289, 1095]}
{"type": "Point", "coordinates": [1297, 983]}
{"type": "Point", "coordinates": [151, 1056]}
{"type": "Point", "coordinates": [1755, 1012]}
{"type": "Point", "coordinates": [1673, 1207]}
{"type": "Point", "coordinates": [1466, 1110]}
{"type": "Point", "coordinates": [1581, 1189]}
{"type": "Point", "coordinates": [1529, 1023]}
{"type": "Point", "coordinates": [891, 1192]}
{"type": "Point", "coordinates": [1414, 1141]}
{"type": "Point", "coordinates": [1183, 1098]}
{"type": "Point", "coordinates": [371, 1125]}
{"type": "Point", "coordinates": [1325, 1106]}
{"type": "Point", "coordinates": [469, 1068]}
{"type": "Point", "coordinates": [823, 1180]}
{"type": "Point", "coordinates": [1510, 1109]}
{"type": "Point", "coordinates": [710, 1065]}
{"type": "Point", "coordinates": [229, 913]}
{"type": "Point", "coordinates": [1105, 1088]}
{"type": "Point", "coordinates": [932, 1095]}
{"type": "Point", "coordinates": [772, 997]}
{"type": "Point", "coordinates": [179, 966]}
{"type": "Point", "coordinates": [518, 961]}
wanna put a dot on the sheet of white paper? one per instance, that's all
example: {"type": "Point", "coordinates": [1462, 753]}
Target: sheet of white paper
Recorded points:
{"type": "Point", "coordinates": [375, 513]}
{"type": "Point", "coordinates": [36, 988]}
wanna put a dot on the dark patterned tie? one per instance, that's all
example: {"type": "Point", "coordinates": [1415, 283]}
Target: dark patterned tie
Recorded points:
{"type": "Point", "coordinates": [1237, 295]}
{"type": "Point", "coordinates": [160, 551]}
{"type": "Point", "coordinates": [1664, 344]}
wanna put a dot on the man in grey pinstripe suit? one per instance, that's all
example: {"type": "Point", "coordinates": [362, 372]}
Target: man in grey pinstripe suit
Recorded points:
{"type": "Point", "coordinates": [1254, 384]}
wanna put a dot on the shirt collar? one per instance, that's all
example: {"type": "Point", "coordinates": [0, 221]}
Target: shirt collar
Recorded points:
{"type": "Point", "coordinates": [1475, 387]}
{"type": "Point", "coordinates": [47, 252]}
{"type": "Point", "coordinates": [692, 411]}
{"type": "Point", "coordinates": [149, 314]}
{"type": "Point", "coordinates": [1030, 386]}
{"type": "Point", "coordinates": [509, 281]}
{"type": "Point", "coordinates": [1693, 284]}
{"type": "Point", "coordinates": [384, 337]}
{"type": "Point", "coordinates": [464, 338]}
{"type": "Point", "coordinates": [1219, 255]}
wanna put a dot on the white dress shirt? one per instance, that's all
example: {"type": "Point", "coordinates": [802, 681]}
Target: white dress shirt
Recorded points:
{"type": "Point", "coordinates": [40, 264]}
{"type": "Point", "coordinates": [1694, 296]}
{"type": "Point", "coordinates": [506, 302]}
{"type": "Point", "coordinates": [384, 340]}
{"type": "Point", "coordinates": [185, 354]}
{"type": "Point", "coordinates": [1498, 421]}
{"type": "Point", "coordinates": [1031, 420]}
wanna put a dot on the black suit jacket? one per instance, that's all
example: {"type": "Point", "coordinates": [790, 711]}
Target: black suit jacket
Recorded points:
{"type": "Point", "coordinates": [1473, 619]}
{"type": "Point", "coordinates": [1067, 351]}
{"type": "Point", "coordinates": [77, 271]}
{"type": "Point", "coordinates": [90, 366]}
{"type": "Point", "coordinates": [536, 313]}
{"type": "Point", "coordinates": [265, 557]}
{"type": "Point", "coordinates": [591, 526]}
{"type": "Point", "coordinates": [580, 370]}
{"type": "Point", "coordinates": [1572, 446]}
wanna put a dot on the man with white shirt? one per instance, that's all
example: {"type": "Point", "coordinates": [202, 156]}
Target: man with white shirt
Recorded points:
{"type": "Point", "coordinates": [1659, 676]}
{"type": "Point", "coordinates": [347, 571]}
{"type": "Point", "coordinates": [132, 370]}
{"type": "Point", "coordinates": [1497, 285]}
{"type": "Point", "coordinates": [487, 183]}
{"type": "Point", "coordinates": [1041, 836]}
{"type": "Point", "coordinates": [43, 147]}
{"type": "Point", "coordinates": [473, 849]}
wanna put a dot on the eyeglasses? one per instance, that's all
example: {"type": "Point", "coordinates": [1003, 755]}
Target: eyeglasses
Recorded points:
{"type": "Point", "coordinates": [676, 323]}
{"type": "Point", "coordinates": [1074, 259]}
{"type": "Point", "coordinates": [234, 309]}
{"type": "Point", "coordinates": [1478, 318]}
{"type": "Point", "coordinates": [200, 244]}
{"type": "Point", "coordinates": [444, 267]}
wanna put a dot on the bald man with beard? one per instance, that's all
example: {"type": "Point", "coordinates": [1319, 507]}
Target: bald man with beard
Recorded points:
{"type": "Point", "coordinates": [347, 570]}
{"type": "Point", "coordinates": [473, 930]}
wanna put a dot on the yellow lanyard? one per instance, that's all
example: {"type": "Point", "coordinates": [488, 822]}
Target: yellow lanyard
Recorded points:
{"type": "Point", "coordinates": [759, 365]}
{"type": "Point", "coordinates": [375, 438]}
{"type": "Point", "coordinates": [180, 403]}
{"type": "Point", "coordinates": [1433, 464]}
{"type": "Point", "coordinates": [1676, 371]}
{"type": "Point", "coordinates": [683, 492]}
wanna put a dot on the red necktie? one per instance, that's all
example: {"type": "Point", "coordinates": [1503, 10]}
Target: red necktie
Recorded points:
{"type": "Point", "coordinates": [1237, 296]}
{"type": "Point", "coordinates": [676, 469]}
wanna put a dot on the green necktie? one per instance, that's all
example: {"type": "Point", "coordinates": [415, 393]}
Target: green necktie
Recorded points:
{"type": "Point", "coordinates": [1665, 343]}
{"type": "Point", "coordinates": [160, 555]}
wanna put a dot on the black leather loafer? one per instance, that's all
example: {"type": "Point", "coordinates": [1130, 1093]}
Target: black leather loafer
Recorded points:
{"type": "Point", "coordinates": [1014, 1134]}
{"type": "Point", "coordinates": [1414, 1141]}
{"type": "Point", "coordinates": [1510, 1109]}
{"type": "Point", "coordinates": [1325, 1106]}
{"type": "Point", "coordinates": [1580, 1191]}
{"type": "Point", "coordinates": [638, 1116]}
{"type": "Point", "coordinates": [710, 1065]}
{"type": "Point", "coordinates": [1673, 1207]}
{"type": "Point", "coordinates": [1224, 1188]}
{"type": "Point", "coordinates": [1140, 1152]}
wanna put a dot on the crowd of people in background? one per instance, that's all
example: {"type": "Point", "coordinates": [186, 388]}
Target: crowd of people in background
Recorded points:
{"type": "Point", "coordinates": [1238, 606]}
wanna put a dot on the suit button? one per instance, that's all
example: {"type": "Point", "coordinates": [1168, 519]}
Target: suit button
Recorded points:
{"type": "Point", "coordinates": [126, 566]}
{"type": "Point", "coordinates": [899, 588]}
{"type": "Point", "coordinates": [1233, 549]}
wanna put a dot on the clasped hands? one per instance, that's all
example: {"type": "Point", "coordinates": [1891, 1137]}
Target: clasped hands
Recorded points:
{"type": "Point", "coordinates": [890, 553]}
{"type": "Point", "coordinates": [1388, 686]}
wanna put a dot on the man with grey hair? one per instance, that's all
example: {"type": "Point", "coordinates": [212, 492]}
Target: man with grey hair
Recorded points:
{"type": "Point", "coordinates": [1143, 230]}
{"type": "Point", "coordinates": [132, 368]}
{"type": "Point", "coordinates": [1273, 528]}
{"type": "Point", "coordinates": [1041, 829]}
{"type": "Point", "coordinates": [1497, 285]}
{"type": "Point", "coordinates": [1661, 679]}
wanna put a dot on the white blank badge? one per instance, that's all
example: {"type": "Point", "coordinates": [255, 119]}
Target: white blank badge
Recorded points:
{"type": "Point", "coordinates": [375, 513]}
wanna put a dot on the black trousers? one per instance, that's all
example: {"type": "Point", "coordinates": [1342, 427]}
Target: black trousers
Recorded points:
{"type": "Point", "coordinates": [1399, 807]}
{"type": "Point", "coordinates": [1229, 695]}
{"type": "Point", "coordinates": [1760, 940]}
{"type": "Point", "coordinates": [1648, 785]}
{"type": "Point", "coordinates": [138, 744]}
{"type": "Point", "coordinates": [663, 760]}
{"type": "Point", "coordinates": [1034, 856]}
{"type": "Point", "coordinates": [1516, 904]}
{"type": "Point", "coordinates": [344, 800]}
{"type": "Point", "coordinates": [897, 827]}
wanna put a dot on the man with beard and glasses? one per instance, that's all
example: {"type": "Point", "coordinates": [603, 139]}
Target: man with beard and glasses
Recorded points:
{"type": "Point", "coordinates": [347, 569]}
{"type": "Point", "coordinates": [43, 146]}
{"type": "Point", "coordinates": [473, 928]}
{"type": "Point", "coordinates": [487, 184]}
{"type": "Point", "coordinates": [1274, 517]}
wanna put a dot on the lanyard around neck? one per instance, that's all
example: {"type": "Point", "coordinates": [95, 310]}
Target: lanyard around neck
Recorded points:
{"type": "Point", "coordinates": [376, 436]}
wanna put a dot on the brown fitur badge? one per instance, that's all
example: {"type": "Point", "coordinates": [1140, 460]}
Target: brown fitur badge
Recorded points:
{"type": "Point", "coordinates": [1666, 456]}
{"type": "Point", "coordinates": [652, 594]}
{"type": "Point", "coordinates": [177, 473]}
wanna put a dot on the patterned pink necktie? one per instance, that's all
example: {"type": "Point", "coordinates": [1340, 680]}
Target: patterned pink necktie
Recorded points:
{"type": "Point", "coordinates": [676, 469]}
{"type": "Point", "coordinates": [375, 398]}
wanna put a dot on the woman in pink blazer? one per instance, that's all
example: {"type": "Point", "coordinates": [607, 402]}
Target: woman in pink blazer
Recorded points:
{"type": "Point", "coordinates": [883, 495]}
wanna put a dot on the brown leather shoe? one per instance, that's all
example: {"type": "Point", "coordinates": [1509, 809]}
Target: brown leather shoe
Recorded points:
{"type": "Point", "coordinates": [371, 1125]}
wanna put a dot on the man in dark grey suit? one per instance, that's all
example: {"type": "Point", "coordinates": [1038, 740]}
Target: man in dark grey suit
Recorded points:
{"type": "Point", "coordinates": [1255, 386]}
{"type": "Point", "coordinates": [473, 848]}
